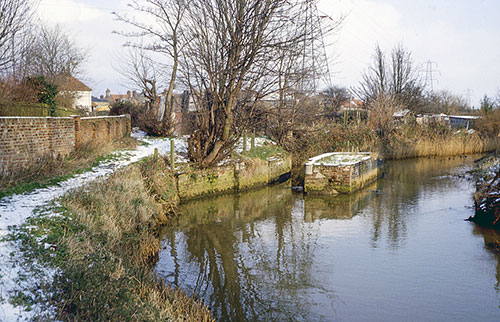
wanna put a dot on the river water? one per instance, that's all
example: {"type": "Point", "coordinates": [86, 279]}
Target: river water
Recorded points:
{"type": "Point", "coordinates": [398, 251]}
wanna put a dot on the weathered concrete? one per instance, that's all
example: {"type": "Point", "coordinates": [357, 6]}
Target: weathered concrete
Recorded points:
{"type": "Point", "coordinates": [238, 176]}
{"type": "Point", "coordinates": [339, 172]}
{"type": "Point", "coordinates": [195, 182]}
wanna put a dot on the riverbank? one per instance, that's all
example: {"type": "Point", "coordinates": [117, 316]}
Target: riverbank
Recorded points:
{"type": "Point", "coordinates": [404, 142]}
{"type": "Point", "coordinates": [66, 250]}
{"type": "Point", "coordinates": [21, 277]}
{"type": "Point", "coordinates": [487, 195]}
{"type": "Point", "coordinates": [101, 241]}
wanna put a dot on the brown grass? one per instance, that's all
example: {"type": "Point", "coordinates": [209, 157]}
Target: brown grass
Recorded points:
{"type": "Point", "coordinates": [107, 273]}
{"type": "Point", "coordinates": [424, 142]}
{"type": "Point", "coordinates": [49, 168]}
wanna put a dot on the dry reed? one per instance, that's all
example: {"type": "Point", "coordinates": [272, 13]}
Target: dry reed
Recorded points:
{"type": "Point", "coordinates": [107, 275]}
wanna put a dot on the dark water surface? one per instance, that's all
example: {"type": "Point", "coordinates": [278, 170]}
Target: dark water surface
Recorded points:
{"type": "Point", "coordinates": [398, 251]}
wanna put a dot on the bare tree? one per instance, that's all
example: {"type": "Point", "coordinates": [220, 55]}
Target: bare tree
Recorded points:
{"type": "Point", "coordinates": [233, 50]}
{"type": "Point", "coordinates": [374, 81]}
{"type": "Point", "coordinates": [143, 73]}
{"type": "Point", "coordinates": [399, 79]}
{"type": "Point", "coordinates": [15, 15]}
{"type": "Point", "coordinates": [444, 102]}
{"type": "Point", "coordinates": [53, 53]}
{"type": "Point", "coordinates": [157, 28]}
{"type": "Point", "coordinates": [406, 85]}
{"type": "Point", "coordinates": [336, 95]}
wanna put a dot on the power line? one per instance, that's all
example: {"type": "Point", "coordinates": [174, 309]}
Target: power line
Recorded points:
{"type": "Point", "coordinates": [430, 70]}
{"type": "Point", "coordinates": [468, 97]}
{"type": "Point", "coordinates": [314, 60]}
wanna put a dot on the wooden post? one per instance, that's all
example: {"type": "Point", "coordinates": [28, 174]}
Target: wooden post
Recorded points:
{"type": "Point", "coordinates": [252, 142]}
{"type": "Point", "coordinates": [244, 141]}
{"type": "Point", "coordinates": [172, 154]}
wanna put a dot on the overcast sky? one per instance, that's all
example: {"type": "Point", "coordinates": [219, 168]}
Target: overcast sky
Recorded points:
{"type": "Point", "coordinates": [460, 37]}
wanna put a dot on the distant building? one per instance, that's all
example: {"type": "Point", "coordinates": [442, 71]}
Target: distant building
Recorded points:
{"type": "Point", "coordinates": [100, 104]}
{"type": "Point", "coordinates": [81, 93]}
{"type": "Point", "coordinates": [352, 105]}
{"type": "Point", "coordinates": [131, 96]}
{"type": "Point", "coordinates": [462, 121]}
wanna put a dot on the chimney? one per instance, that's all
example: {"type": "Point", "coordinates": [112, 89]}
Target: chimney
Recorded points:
{"type": "Point", "coordinates": [108, 93]}
{"type": "Point", "coordinates": [101, 97]}
{"type": "Point", "coordinates": [134, 94]}
{"type": "Point", "coordinates": [129, 94]}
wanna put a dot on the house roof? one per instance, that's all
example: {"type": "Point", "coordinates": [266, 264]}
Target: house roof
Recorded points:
{"type": "Point", "coordinates": [96, 99]}
{"type": "Point", "coordinates": [70, 83]}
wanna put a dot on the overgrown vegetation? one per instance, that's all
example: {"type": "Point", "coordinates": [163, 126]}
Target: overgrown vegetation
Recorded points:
{"type": "Point", "coordinates": [263, 152]}
{"type": "Point", "coordinates": [380, 132]}
{"type": "Point", "coordinates": [49, 171]}
{"type": "Point", "coordinates": [103, 241]}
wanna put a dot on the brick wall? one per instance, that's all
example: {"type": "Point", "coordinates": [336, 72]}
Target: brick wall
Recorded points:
{"type": "Point", "coordinates": [25, 140]}
{"type": "Point", "coordinates": [102, 129]}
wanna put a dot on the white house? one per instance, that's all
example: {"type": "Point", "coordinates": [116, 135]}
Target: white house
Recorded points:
{"type": "Point", "coordinates": [81, 93]}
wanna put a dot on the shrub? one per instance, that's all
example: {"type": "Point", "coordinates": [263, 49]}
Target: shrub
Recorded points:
{"type": "Point", "coordinates": [135, 111]}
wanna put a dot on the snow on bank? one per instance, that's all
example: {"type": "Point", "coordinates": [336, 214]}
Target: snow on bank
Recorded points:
{"type": "Point", "coordinates": [15, 209]}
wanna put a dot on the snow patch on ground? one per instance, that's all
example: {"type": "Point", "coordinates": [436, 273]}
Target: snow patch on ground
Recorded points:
{"type": "Point", "coordinates": [339, 158]}
{"type": "Point", "coordinates": [15, 209]}
{"type": "Point", "coordinates": [259, 141]}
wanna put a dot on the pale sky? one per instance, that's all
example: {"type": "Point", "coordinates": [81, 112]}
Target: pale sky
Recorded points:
{"type": "Point", "coordinates": [461, 38]}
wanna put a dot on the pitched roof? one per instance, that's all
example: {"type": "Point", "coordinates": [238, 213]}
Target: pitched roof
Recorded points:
{"type": "Point", "coordinates": [70, 83]}
{"type": "Point", "coordinates": [96, 99]}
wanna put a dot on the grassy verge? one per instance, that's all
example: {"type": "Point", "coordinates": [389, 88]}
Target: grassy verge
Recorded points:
{"type": "Point", "coordinates": [103, 241]}
{"type": "Point", "coordinates": [50, 171]}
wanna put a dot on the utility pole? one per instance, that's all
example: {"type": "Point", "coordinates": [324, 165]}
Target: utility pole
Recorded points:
{"type": "Point", "coordinates": [430, 70]}
{"type": "Point", "coordinates": [468, 97]}
{"type": "Point", "coordinates": [314, 60]}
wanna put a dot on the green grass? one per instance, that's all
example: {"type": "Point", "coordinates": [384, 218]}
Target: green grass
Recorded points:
{"type": "Point", "coordinates": [264, 152]}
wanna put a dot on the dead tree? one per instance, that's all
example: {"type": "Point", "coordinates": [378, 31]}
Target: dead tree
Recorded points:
{"type": "Point", "coordinates": [53, 53]}
{"type": "Point", "coordinates": [399, 79]}
{"type": "Point", "coordinates": [142, 72]}
{"type": "Point", "coordinates": [15, 16]}
{"type": "Point", "coordinates": [375, 80]}
{"type": "Point", "coordinates": [158, 28]}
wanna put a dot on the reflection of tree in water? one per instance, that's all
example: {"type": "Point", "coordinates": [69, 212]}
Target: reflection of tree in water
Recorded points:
{"type": "Point", "coordinates": [253, 254]}
{"type": "Point", "coordinates": [398, 193]}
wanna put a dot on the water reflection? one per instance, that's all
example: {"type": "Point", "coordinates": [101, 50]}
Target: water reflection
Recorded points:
{"type": "Point", "coordinates": [252, 256]}
{"type": "Point", "coordinates": [490, 237]}
{"type": "Point", "coordinates": [403, 186]}
{"type": "Point", "coordinates": [272, 254]}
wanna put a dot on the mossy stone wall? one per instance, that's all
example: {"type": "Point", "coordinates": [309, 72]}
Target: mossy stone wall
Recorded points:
{"type": "Point", "coordinates": [238, 176]}
{"type": "Point", "coordinates": [197, 182]}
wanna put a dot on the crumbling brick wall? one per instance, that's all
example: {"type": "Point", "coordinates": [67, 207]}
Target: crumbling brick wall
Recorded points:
{"type": "Point", "coordinates": [25, 140]}
{"type": "Point", "coordinates": [103, 129]}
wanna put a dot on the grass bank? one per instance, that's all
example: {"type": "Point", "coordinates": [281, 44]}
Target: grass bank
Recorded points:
{"type": "Point", "coordinates": [103, 242]}
{"type": "Point", "coordinates": [50, 171]}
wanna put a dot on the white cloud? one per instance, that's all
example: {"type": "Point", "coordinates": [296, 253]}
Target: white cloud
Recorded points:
{"type": "Point", "coordinates": [67, 11]}
{"type": "Point", "coordinates": [465, 57]}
